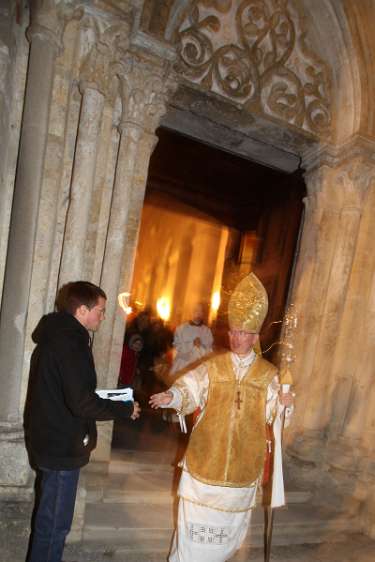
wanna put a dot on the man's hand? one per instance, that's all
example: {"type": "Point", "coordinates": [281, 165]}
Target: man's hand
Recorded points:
{"type": "Point", "coordinates": [136, 412]}
{"type": "Point", "coordinates": [197, 342]}
{"type": "Point", "coordinates": [286, 399]}
{"type": "Point", "coordinates": [161, 399]}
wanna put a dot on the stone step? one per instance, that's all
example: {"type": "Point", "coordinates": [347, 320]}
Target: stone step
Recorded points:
{"type": "Point", "coordinates": [154, 487]}
{"type": "Point", "coordinates": [128, 496]}
{"type": "Point", "coordinates": [140, 477]}
{"type": "Point", "coordinates": [148, 461]}
{"type": "Point", "coordinates": [148, 528]}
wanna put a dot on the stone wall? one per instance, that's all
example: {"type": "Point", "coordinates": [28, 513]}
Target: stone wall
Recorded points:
{"type": "Point", "coordinates": [91, 106]}
{"type": "Point", "coordinates": [296, 78]}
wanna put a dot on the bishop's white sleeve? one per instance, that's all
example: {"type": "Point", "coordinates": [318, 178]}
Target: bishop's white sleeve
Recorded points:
{"type": "Point", "coordinates": [274, 415]}
{"type": "Point", "coordinates": [190, 391]}
{"type": "Point", "coordinates": [273, 406]}
{"type": "Point", "coordinates": [272, 399]}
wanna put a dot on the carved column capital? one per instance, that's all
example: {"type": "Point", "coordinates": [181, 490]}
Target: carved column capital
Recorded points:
{"type": "Point", "coordinates": [49, 18]}
{"type": "Point", "coordinates": [353, 179]}
{"type": "Point", "coordinates": [320, 195]}
{"type": "Point", "coordinates": [145, 85]}
{"type": "Point", "coordinates": [340, 175]}
{"type": "Point", "coordinates": [99, 66]}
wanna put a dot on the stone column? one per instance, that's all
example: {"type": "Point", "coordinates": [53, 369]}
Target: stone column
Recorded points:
{"type": "Point", "coordinates": [45, 36]}
{"type": "Point", "coordinates": [339, 188]}
{"type": "Point", "coordinates": [54, 193]}
{"type": "Point", "coordinates": [103, 189]}
{"type": "Point", "coordinates": [145, 85]}
{"type": "Point", "coordinates": [350, 397]}
{"type": "Point", "coordinates": [82, 184]}
{"type": "Point", "coordinates": [95, 85]}
{"type": "Point", "coordinates": [343, 251]}
{"type": "Point", "coordinates": [311, 279]}
{"type": "Point", "coordinates": [14, 53]}
{"type": "Point", "coordinates": [5, 188]}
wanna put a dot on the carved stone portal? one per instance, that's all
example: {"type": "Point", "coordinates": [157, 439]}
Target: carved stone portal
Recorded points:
{"type": "Point", "coordinates": [255, 53]}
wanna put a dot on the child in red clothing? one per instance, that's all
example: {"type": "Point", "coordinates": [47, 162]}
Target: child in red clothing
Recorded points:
{"type": "Point", "coordinates": [129, 358]}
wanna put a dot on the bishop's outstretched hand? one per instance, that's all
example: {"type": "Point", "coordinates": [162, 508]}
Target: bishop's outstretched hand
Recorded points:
{"type": "Point", "coordinates": [161, 399]}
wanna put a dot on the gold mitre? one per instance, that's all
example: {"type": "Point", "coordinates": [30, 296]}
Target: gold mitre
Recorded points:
{"type": "Point", "coordinates": [248, 305]}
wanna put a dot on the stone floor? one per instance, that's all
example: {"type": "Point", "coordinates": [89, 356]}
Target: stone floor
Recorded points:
{"type": "Point", "coordinates": [356, 549]}
{"type": "Point", "coordinates": [129, 513]}
{"type": "Point", "coordinates": [14, 534]}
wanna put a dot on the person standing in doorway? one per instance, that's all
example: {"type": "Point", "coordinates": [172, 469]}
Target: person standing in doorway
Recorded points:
{"type": "Point", "coordinates": [192, 340]}
{"type": "Point", "coordinates": [61, 410]}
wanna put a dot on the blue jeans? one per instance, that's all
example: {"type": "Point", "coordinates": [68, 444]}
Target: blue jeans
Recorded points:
{"type": "Point", "coordinates": [54, 514]}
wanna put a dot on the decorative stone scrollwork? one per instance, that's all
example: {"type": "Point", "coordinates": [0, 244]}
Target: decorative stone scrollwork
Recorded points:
{"type": "Point", "coordinates": [255, 52]}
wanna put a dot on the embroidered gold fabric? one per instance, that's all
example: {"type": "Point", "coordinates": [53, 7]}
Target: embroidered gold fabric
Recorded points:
{"type": "Point", "coordinates": [215, 507]}
{"type": "Point", "coordinates": [188, 406]}
{"type": "Point", "coordinates": [248, 305]}
{"type": "Point", "coordinates": [227, 447]}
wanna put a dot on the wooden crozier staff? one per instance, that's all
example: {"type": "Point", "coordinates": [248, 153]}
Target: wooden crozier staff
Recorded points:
{"type": "Point", "coordinates": [273, 481]}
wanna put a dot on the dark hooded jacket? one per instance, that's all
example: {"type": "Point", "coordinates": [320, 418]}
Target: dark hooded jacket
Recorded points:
{"type": "Point", "coordinates": [62, 406]}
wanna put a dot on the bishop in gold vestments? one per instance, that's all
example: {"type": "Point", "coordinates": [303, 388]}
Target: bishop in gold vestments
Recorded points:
{"type": "Point", "coordinates": [237, 393]}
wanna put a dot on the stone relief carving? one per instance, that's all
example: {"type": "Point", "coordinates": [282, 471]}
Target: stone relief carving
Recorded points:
{"type": "Point", "coordinates": [49, 18]}
{"type": "Point", "coordinates": [255, 53]}
{"type": "Point", "coordinates": [145, 87]}
{"type": "Point", "coordinates": [341, 176]}
{"type": "Point", "coordinates": [99, 66]}
{"type": "Point", "coordinates": [353, 180]}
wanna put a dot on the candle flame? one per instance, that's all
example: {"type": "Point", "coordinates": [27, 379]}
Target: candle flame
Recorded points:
{"type": "Point", "coordinates": [215, 301]}
{"type": "Point", "coordinates": [163, 307]}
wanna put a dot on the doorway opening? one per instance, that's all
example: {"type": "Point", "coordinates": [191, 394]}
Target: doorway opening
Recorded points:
{"type": "Point", "coordinates": [209, 218]}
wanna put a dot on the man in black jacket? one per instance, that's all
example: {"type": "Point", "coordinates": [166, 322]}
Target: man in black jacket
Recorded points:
{"type": "Point", "coordinates": [61, 411]}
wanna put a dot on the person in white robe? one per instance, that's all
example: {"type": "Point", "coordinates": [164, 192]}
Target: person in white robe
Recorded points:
{"type": "Point", "coordinates": [192, 340]}
{"type": "Point", "coordinates": [238, 393]}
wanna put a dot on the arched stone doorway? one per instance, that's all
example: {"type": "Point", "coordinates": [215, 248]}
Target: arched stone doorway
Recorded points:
{"type": "Point", "coordinates": [283, 83]}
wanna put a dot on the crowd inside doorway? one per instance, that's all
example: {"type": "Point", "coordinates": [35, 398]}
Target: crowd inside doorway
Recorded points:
{"type": "Point", "coordinates": [154, 353]}
{"type": "Point", "coordinates": [146, 355]}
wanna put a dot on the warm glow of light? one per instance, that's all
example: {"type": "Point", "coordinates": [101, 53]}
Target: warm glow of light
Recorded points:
{"type": "Point", "coordinates": [123, 302]}
{"type": "Point", "coordinates": [215, 301]}
{"type": "Point", "coordinates": [163, 307]}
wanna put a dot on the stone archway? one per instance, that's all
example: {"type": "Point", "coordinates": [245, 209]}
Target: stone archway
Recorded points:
{"type": "Point", "coordinates": [267, 74]}
{"type": "Point", "coordinates": [256, 66]}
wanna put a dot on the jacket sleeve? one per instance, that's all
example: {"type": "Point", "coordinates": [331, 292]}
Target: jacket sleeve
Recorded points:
{"type": "Point", "coordinates": [78, 379]}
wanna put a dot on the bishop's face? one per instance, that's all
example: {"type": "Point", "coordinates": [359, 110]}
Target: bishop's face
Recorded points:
{"type": "Point", "coordinates": [242, 342]}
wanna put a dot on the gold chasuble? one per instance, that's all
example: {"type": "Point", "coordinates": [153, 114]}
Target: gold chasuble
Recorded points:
{"type": "Point", "coordinates": [227, 447]}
